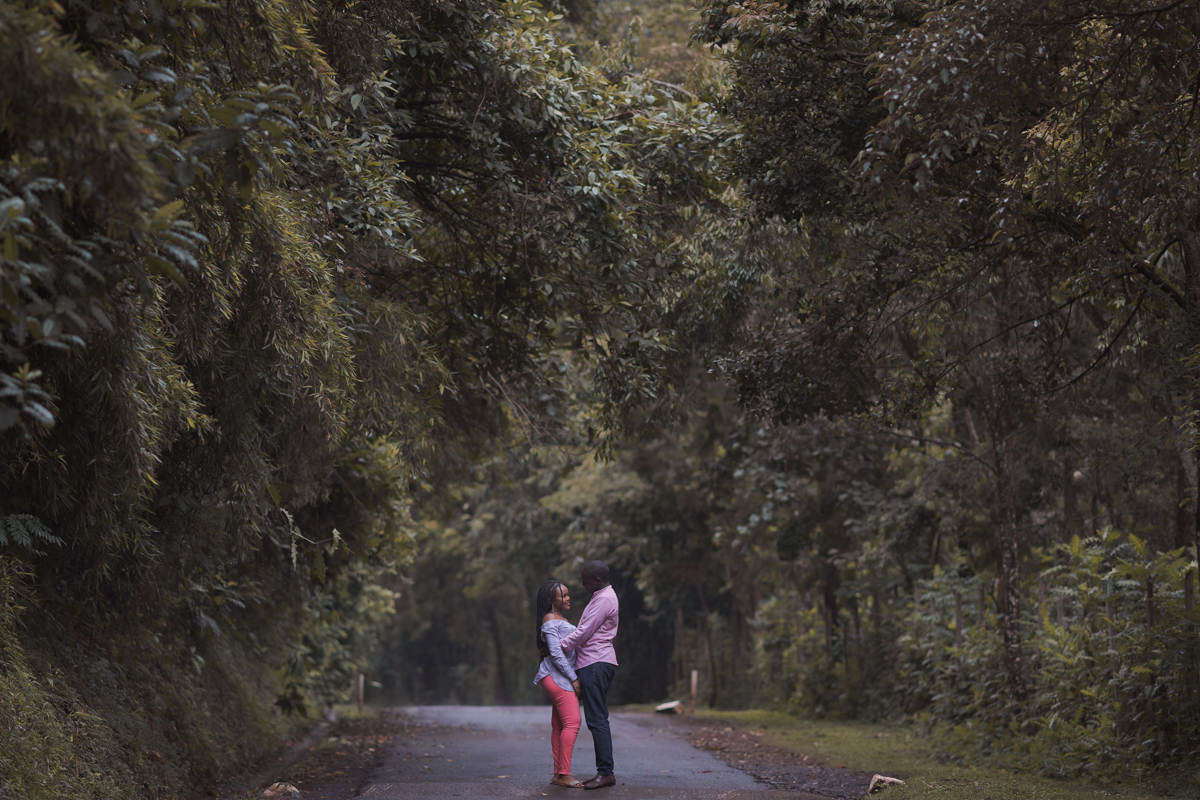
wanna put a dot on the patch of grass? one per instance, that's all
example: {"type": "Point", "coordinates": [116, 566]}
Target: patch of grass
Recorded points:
{"type": "Point", "coordinates": [635, 708]}
{"type": "Point", "coordinates": [350, 711]}
{"type": "Point", "coordinates": [881, 748]}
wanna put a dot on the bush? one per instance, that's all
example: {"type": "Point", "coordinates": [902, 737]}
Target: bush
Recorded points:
{"type": "Point", "coordinates": [1110, 662]}
{"type": "Point", "coordinates": [1110, 657]}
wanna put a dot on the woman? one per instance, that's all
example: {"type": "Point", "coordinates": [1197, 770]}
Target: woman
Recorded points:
{"type": "Point", "coordinates": [557, 677]}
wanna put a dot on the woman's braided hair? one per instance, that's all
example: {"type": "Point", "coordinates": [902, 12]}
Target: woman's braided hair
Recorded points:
{"type": "Point", "coordinates": [545, 604]}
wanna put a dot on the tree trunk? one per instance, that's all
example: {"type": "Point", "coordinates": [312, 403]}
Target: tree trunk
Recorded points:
{"type": "Point", "coordinates": [498, 643]}
{"type": "Point", "coordinates": [1196, 527]}
{"type": "Point", "coordinates": [1191, 263]}
{"type": "Point", "coordinates": [800, 641]}
{"type": "Point", "coordinates": [958, 621]}
{"type": "Point", "coordinates": [712, 664]}
{"type": "Point", "coordinates": [1069, 525]}
{"type": "Point", "coordinates": [832, 612]}
{"type": "Point", "coordinates": [1183, 520]}
{"type": "Point", "coordinates": [1114, 664]}
{"type": "Point", "coordinates": [857, 620]}
{"type": "Point", "coordinates": [680, 646]}
{"type": "Point", "coordinates": [1010, 567]}
{"type": "Point", "coordinates": [982, 609]}
{"type": "Point", "coordinates": [1041, 606]}
{"type": "Point", "coordinates": [828, 629]}
{"type": "Point", "coordinates": [1191, 472]}
{"type": "Point", "coordinates": [752, 612]}
{"type": "Point", "coordinates": [708, 646]}
{"type": "Point", "coordinates": [1189, 607]}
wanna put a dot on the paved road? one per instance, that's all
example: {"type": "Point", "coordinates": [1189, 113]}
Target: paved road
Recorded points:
{"type": "Point", "coordinates": [490, 752]}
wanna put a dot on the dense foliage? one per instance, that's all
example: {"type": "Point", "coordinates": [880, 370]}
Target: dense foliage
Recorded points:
{"type": "Point", "coordinates": [993, 269]}
{"type": "Point", "coordinates": [860, 338]}
{"type": "Point", "coordinates": [261, 260]}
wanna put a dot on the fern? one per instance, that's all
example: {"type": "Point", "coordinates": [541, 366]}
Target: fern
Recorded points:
{"type": "Point", "coordinates": [23, 530]}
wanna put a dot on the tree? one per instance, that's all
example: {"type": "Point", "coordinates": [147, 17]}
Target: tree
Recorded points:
{"type": "Point", "coordinates": [1071, 131]}
{"type": "Point", "coordinates": [946, 260]}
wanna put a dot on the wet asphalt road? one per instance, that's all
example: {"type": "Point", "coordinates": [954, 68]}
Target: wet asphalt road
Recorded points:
{"type": "Point", "coordinates": [482, 753]}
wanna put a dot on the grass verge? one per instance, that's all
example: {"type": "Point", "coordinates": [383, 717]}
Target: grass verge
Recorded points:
{"type": "Point", "coordinates": [881, 748]}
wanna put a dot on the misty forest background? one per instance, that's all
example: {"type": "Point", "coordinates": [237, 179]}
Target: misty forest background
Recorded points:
{"type": "Point", "coordinates": [860, 337]}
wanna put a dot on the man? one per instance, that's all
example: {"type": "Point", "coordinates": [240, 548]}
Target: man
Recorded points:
{"type": "Point", "coordinates": [596, 664]}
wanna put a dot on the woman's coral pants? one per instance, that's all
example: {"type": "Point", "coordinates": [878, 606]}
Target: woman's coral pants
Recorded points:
{"type": "Point", "coordinates": [564, 724]}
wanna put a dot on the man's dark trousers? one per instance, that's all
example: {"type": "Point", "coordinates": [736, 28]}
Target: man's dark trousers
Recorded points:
{"type": "Point", "coordinates": [594, 680]}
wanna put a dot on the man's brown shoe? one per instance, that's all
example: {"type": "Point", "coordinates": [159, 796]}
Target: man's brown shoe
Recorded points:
{"type": "Point", "coordinates": [599, 782]}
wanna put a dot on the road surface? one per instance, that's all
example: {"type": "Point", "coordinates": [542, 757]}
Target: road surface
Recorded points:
{"type": "Point", "coordinates": [481, 753]}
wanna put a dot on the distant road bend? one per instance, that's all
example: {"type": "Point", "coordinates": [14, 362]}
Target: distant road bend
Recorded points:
{"type": "Point", "coordinates": [504, 752]}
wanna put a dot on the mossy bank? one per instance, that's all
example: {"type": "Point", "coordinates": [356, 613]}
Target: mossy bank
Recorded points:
{"type": "Point", "coordinates": [92, 713]}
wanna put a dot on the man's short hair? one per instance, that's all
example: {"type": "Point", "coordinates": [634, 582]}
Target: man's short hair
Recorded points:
{"type": "Point", "coordinates": [597, 570]}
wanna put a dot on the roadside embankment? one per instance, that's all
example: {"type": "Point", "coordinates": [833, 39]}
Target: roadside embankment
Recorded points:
{"type": "Point", "coordinates": [112, 720]}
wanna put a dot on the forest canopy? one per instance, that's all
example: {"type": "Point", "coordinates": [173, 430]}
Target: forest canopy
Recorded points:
{"type": "Point", "coordinates": [860, 338]}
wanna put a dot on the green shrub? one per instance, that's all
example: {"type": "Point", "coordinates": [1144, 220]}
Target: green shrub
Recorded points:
{"type": "Point", "coordinates": [1111, 696]}
{"type": "Point", "coordinates": [845, 675]}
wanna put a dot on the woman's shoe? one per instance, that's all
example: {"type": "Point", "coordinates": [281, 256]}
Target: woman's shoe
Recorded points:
{"type": "Point", "coordinates": [568, 782]}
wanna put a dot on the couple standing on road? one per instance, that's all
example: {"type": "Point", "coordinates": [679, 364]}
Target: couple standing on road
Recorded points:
{"type": "Point", "coordinates": [577, 666]}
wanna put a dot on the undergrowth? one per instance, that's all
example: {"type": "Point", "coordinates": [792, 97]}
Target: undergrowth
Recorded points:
{"type": "Point", "coordinates": [1110, 661]}
{"type": "Point", "coordinates": [81, 721]}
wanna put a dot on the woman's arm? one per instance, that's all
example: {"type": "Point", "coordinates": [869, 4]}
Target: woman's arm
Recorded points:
{"type": "Point", "coordinates": [557, 656]}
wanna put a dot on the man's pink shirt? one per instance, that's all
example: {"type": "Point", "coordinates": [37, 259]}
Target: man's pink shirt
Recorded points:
{"type": "Point", "coordinates": [593, 639]}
